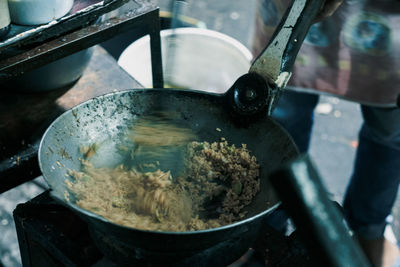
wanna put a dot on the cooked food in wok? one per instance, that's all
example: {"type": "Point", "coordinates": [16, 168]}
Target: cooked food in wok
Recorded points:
{"type": "Point", "coordinates": [218, 182]}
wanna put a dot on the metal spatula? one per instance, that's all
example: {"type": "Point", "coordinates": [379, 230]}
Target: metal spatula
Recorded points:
{"type": "Point", "coordinates": [258, 90]}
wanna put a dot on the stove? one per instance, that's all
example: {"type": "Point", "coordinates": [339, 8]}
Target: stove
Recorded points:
{"type": "Point", "coordinates": [50, 234]}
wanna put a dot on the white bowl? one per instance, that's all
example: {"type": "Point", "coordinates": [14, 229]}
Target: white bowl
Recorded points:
{"type": "Point", "coordinates": [202, 59]}
{"type": "Point", "coordinates": [36, 12]}
{"type": "Point", "coordinates": [55, 75]}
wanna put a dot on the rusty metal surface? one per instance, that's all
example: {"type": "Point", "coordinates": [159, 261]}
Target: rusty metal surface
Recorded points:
{"type": "Point", "coordinates": [82, 12]}
{"type": "Point", "coordinates": [24, 117]}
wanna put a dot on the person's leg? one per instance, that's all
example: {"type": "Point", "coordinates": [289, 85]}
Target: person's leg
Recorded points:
{"type": "Point", "coordinates": [295, 112]}
{"type": "Point", "coordinates": [373, 186]}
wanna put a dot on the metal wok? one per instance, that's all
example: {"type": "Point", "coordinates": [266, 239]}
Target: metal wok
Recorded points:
{"type": "Point", "coordinates": [241, 115]}
{"type": "Point", "coordinates": [105, 119]}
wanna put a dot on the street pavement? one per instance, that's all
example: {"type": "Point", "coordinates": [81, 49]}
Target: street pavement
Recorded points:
{"type": "Point", "coordinates": [9, 249]}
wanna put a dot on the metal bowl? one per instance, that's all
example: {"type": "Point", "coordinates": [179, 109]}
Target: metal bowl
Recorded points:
{"type": "Point", "coordinates": [55, 75]}
{"type": "Point", "coordinates": [36, 12]}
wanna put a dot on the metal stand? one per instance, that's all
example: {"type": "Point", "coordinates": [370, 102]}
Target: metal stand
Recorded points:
{"type": "Point", "coordinates": [147, 16]}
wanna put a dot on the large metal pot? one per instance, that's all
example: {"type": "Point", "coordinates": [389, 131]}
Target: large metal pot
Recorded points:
{"type": "Point", "coordinates": [194, 58]}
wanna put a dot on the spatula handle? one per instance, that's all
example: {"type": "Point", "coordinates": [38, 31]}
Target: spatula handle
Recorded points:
{"type": "Point", "coordinates": [275, 63]}
{"type": "Point", "coordinates": [258, 91]}
{"type": "Point", "coordinates": [318, 221]}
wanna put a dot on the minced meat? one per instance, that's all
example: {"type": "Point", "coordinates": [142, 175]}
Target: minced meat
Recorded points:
{"type": "Point", "coordinates": [219, 181]}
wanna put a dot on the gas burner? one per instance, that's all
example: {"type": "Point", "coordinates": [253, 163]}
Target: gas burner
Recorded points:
{"type": "Point", "coordinates": [49, 234]}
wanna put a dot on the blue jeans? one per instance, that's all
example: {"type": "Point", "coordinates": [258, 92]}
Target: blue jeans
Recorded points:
{"type": "Point", "coordinates": [372, 189]}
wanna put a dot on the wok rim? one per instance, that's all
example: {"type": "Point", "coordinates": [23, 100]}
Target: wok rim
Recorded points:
{"type": "Point", "coordinates": [95, 216]}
